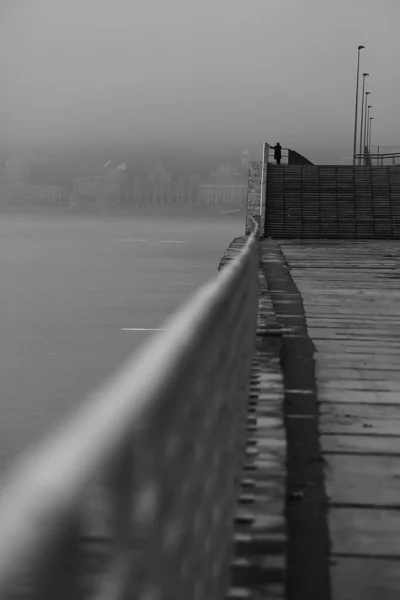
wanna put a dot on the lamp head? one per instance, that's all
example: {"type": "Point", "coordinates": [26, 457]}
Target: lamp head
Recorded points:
{"type": "Point", "coordinates": [361, 47]}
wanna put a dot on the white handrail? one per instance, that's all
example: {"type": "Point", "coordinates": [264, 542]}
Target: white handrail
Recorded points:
{"type": "Point", "coordinates": [170, 401]}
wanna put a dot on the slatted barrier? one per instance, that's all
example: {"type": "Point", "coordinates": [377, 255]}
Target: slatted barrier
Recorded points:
{"type": "Point", "coordinates": [134, 497]}
{"type": "Point", "coordinates": [332, 202]}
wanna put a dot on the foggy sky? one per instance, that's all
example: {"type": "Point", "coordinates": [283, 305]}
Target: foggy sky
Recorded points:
{"type": "Point", "coordinates": [210, 72]}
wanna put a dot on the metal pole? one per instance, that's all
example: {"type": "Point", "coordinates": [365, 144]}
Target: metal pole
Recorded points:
{"type": "Point", "coordinates": [356, 109]}
{"type": "Point", "coordinates": [365, 123]}
{"type": "Point", "coordinates": [362, 116]}
{"type": "Point", "coordinates": [369, 136]}
{"type": "Point", "coordinates": [367, 144]}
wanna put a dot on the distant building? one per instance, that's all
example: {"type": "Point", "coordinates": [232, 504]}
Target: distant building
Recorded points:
{"type": "Point", "coordinates": [159, 187]}
{"type": "Point", "coordinates": [39, 195]}
{"type": "Point", "coordinates": [227, 185]}
{"type": "Point", "coordinates": [106, 186]}
{"type": "Point", "coordinates": [17, 189]}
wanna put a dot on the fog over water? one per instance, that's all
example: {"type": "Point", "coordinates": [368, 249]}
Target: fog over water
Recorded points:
{"type": "Point", "coordinates": [177, 74]}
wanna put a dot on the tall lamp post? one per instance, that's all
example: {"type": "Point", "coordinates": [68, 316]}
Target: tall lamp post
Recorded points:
{"type": "Point", "coordinates": [356, 109]}
{"type": "Point", "coordinates": [362, 115]}
{"type": "Point", "coordinates": [367, 138]}
{"type": "Point", "coordinates": [366, 122]}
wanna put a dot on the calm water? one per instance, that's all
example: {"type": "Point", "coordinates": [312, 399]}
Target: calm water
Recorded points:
{"type": "Point", "coordinates": [69, 287]}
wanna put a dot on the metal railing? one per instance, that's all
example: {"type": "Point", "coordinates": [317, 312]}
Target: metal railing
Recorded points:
{"type": "Point", "coordinates": [380, 160]}
{"type": "Point", "coordinates": [134, 496]}
{"type": "Point", "coordinates": [285, 155]}
{"type": "Point", "coordinates": [288, 156]}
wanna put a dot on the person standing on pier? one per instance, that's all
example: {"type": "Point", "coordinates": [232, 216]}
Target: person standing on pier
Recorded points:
{"type": "Point", "coordinates": [278, 153]}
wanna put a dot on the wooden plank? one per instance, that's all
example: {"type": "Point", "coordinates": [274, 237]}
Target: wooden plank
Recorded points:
{"type": "Point", "coordinates": [357, 345]}
{"type": "Point", "coordinates": [363, 375]}
{"type": "Point", "coordinates": [347, 384]}
{"type": "Point", "coordinates": [340, 363]}
{"type": "Point", "coordinates": [361, 444]}
{"type": "Point", "coordinates": [360, 411]}
{"type": "Point", "coordinates": [365, 578]}
{"type": "Point", "coordinates": [319, 311]}
{"type": "Point", "coordinates": [363, 480]}
{"type": "Point", "coordinates": [342, 334]}
{"type": "Point", "coordinates": [358, 396]}
{"type": "Point", "coordinates": [374, 324]}
{"type": "Point", "coordinates": [333, 330]}
{"type": "Point", "coordinates": [373, 532]}
{"type": "Point", "coordinates": [358, 420]}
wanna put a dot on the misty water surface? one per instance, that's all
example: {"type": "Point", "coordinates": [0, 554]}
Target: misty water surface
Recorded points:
{"type": "Point", "coordinates": [67, 289]}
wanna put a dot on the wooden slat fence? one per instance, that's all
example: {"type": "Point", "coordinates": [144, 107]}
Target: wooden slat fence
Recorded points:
{"type": "Point", "coordinates": [305, 201]}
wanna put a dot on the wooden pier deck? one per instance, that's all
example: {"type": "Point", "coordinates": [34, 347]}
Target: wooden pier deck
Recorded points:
{"type": "Point", "coordinates": [343, 298]}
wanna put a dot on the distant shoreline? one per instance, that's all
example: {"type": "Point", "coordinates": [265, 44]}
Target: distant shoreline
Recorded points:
{"type": "Point", "coordinates": [163, 211]}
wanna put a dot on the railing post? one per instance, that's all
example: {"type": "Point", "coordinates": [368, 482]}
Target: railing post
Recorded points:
{"type": "Point", "coordinates": [263, 191]}
{"type": "Point", "coordinates": [257, 219]}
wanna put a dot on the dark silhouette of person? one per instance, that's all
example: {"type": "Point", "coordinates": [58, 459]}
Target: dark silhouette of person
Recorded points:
{"type": "Point", "coordinates": [278, 153]}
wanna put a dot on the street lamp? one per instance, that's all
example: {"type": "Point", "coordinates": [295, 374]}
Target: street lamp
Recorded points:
{"type": "Point", "coordinates": [356, 110]}
{"type": "Point", "coordinates": [362, 114]}
{"type": "Point", "coordinates": [367, 138]}
{"type": "Point", "coordinates": [365, 124]}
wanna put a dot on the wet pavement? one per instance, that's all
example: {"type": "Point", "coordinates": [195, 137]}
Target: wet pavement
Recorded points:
{"type": "Point", "coordinates": [337, 305]}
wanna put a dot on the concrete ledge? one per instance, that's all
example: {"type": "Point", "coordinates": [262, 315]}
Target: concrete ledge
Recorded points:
{"type": "Point", "coordinates": [232, 251]}
{"type": "Point", "coordinates": [259, 567]}
{"type": "Point", "coordinates": [253, 203]}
